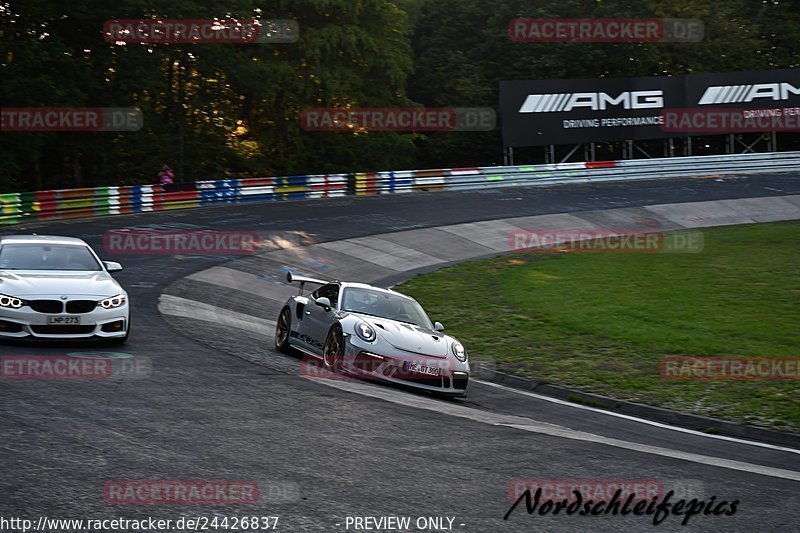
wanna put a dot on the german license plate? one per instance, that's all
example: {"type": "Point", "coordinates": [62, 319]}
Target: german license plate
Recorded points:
{"type": "Point", "coordinates": [64, 320]}
{"type": "Point", "coordinates": [419, 368]}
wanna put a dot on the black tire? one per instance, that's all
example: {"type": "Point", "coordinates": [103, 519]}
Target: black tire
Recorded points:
{"type": "Point", "coordinates": [282, 330]}
{"type": "Point", "coordinates": [333, 351]}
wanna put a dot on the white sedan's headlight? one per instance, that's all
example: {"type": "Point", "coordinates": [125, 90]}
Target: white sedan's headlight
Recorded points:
{"type": "Point", "coordinates": [10, 301]}
{"type": "Point", "coordinates": [113, 302]}
{"type": "Point", "coordinates": [365, 331]}
{"type": "Point", "coordinates": [459, 352]}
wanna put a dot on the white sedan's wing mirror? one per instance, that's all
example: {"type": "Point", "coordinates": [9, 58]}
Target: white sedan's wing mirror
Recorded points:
{"type": "Point", "coordinates": [112, 266]}
{"type": "Point", "coordinates": [437, 326]}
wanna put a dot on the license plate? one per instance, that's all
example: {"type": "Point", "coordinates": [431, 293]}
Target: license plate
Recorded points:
{"type": "Point", "coordinates": [419, 368]}
{"type": "Point", "coordinates": [63, 320]}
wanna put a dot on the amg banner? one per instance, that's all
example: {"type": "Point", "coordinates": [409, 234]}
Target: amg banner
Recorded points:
{"type": "Point", "coordinates": [536, 113]}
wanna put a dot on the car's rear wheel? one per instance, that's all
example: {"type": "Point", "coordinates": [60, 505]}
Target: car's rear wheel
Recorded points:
{"type": "Point", "coordinates": [333, 351]}
{"type": "Point", "coordinates": [282, 330]}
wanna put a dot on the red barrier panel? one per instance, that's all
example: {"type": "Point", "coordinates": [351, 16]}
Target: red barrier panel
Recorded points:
{"type": "Point", "coordinates": [366, 183]}
{"type": "Point", "coordinates": [47, 204]}
{"type": "Point", "coordinates": [601, 164]}
{"type": "Point", "coordinates": [125, 199]}
{"type": "Point", "coordinates": [158, 198]}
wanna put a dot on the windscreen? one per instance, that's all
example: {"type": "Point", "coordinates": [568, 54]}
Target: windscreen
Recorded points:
{"type": "Point", "coordinates": [47, 257]}
{"type": "Point", "coordinates": [385, 305]}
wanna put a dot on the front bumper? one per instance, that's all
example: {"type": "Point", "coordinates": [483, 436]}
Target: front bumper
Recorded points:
{"type": "Point", "coordinates": [25, 323]}
{"type": "Point", "coordinates": [361, 359]}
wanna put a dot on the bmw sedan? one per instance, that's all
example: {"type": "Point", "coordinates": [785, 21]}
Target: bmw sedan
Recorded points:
{"type": "Point", "coordinates": [58, 288]}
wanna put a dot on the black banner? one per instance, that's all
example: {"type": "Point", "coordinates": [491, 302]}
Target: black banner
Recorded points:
{"type": "Point", "coordinates": [536, 113]}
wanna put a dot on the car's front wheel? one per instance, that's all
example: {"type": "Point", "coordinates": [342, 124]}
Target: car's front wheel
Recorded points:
{"type": "Point", "coordinates": [282, 330]}
{"type": "Point", "coordinates": [333, 351]}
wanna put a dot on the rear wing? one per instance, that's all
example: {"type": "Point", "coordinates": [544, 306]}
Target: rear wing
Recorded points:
{"type": "Point", "coordinates": [302, 280]}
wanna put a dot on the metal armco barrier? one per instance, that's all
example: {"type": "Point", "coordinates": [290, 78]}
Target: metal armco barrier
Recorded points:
{"type": "Point", "coordinates": [70, 203]}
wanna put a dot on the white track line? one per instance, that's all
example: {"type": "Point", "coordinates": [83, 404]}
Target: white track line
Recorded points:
{"type": "Point", "coordinates": [635, 419]}
{"type": "Point", "coordinates": [533, 426]}
{"type": "Point", "coordinates": [183, 307]}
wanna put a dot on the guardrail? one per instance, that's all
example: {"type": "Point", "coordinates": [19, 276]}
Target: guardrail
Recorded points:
{"type": "Point", "coordinates": [74, 203]}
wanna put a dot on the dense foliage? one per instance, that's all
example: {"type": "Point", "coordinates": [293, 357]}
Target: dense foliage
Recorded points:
{"type": "Point", "coordinates": [213, 110]}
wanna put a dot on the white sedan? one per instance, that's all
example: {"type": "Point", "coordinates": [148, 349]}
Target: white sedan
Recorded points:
{"type": "Point", "coordinates": [58, 288]}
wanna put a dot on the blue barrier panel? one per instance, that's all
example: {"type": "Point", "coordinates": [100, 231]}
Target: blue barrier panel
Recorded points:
{"type": "Point", "coordinates": [224, 191]}
{"type": "Point", "coordinates": [291, 188]}
{"type": "Point", "coordinates": [135, 198]}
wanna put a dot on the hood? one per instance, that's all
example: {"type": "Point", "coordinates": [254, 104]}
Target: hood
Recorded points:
{"type": "Point", "coordinates": [26, 284]}
{"type": "Point", "coordinates": [408, 337]}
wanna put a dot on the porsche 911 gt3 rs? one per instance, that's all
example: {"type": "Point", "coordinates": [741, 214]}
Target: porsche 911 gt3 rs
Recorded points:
{"type": "Point", "coordinates": [372, 332]}
{"type": "Point", "coordinates": [58, 288]}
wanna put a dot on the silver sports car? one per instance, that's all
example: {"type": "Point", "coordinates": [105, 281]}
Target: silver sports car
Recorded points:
{"type": "Point", "coordinates": [372, 332]}
{"type": "Point", "coordinates": [57, 288]}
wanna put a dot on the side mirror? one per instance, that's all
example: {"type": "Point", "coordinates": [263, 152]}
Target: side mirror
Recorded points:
{"type": "Point", "coordinates": [323, 302]}
{"type": "Point", "coordinates": [112, 266]}
{"type": "Point", "coordinates": [437, 326]}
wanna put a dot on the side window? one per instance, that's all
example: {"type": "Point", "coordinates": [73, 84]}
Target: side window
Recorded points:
{"type": "Point", "coordinates": [331, 292]}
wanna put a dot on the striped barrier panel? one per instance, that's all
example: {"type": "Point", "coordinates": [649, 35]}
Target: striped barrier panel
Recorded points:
{"type": "Point", "coordinates": [75, 203]}
{"type": "Point", "coordinates": [140, 198]}
{"type": "Point", "coordinates": [106, 201]}
{"type": "Point", "coordinates": [45, 204]}
{"type": "Point", "coordinates": [179, 196]}
{"type": "Point", "coordinates": [396, 181]}
{"type": "Point", "coordinates": [291, 187]}
{"type": "Point", "coordinates": [257, 189]}
{"type": "Point", "coordinates": [218, 191]}
{"type": "Point", "coordinates": [327, 185]}
{"type": "Point", "coordinates": [10, 212]}
{"type": "Point", "coordinates": [69, 203]}
{"type": "Point", "coordinates": [367, 183]}
{"type": "Point", "coordinates": [28, 206]}
{"type": "Point", "coordinates": [336, 185]}
{"type": "Point", "coordinates": [429, 180]}
{"type": "Point", "coordinates": [465, 179]}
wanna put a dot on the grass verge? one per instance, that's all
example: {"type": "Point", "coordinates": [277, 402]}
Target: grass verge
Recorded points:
{"type": "Point", "coordinates": [602, 322]}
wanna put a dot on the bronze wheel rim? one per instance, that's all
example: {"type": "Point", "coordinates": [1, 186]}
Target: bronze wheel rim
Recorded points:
{"type": "Point", "coordinates": [282, 334]}
{"type": "Point", "coordinates": [330, 355]}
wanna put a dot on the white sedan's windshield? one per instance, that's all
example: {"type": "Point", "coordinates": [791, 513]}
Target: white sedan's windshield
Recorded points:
{"type": "Point", "coordinates": [47, 257]}
{"type": "Point", "coordinates": [385, 305]}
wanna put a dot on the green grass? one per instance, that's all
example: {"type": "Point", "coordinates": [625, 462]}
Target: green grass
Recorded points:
{"type": "Point", "coordinates": [601, 322]}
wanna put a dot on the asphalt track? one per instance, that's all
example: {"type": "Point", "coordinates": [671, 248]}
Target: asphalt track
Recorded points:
{"type": "Point", "coordinates": [324, 451]}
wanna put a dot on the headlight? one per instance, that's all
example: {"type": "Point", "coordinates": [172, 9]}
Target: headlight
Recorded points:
{"type": "Point", "coordinates": [10, 301]}
{"type": "Point", "coordinates": [113, 302]}
{"type": "Point", "coordinates": [459, 352]}
{"type": "Point", "coordinates": [365, 331]}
